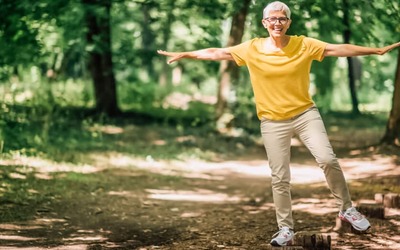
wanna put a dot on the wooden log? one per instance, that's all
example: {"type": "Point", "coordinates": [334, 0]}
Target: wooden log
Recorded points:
{"type": "Point", "coordinates": [379, 198]}
{"type": "Point", "coordinates": [287, 248]}
{"type": "Point", "coordinates": [323, 241]}
{"type": "Point", "coordinates": [312, 240]}
{"type": "Point", "coordinates": [391, 200]}
{"type": "Point", "coordinates": [372, 210]}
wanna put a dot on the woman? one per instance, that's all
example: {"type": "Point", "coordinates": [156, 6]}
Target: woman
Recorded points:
{"type": "Point", "coordinates": [279, 68]}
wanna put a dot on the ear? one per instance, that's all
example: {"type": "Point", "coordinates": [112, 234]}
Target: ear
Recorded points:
{"type": "Point", "coordinates": [265, 23]}
{"type": "Point", "coordinates": [289, 23]}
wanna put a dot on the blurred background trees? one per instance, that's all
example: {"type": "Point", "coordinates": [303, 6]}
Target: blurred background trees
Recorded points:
{"type": "Point", "coordinates": [100, 55]}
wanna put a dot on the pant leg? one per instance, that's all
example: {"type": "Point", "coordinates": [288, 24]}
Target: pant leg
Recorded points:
{"type": "Point", "coordinates": [311, 130]}
{"type": "Point", "coordinates": [277, 137]}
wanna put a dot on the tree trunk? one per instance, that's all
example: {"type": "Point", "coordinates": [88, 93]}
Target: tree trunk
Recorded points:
{"type": "Point", "coordinates": [100, 56]}
{"type": "Point", "coordinates": [392, 133]}
{"type": "Point", "coordinates": [228, 69]}
{"type": "Point", "coordinates": [165, 75]}
{"type": "Point", "coordinates": [346, 38]}
{"type": "Point", "coordinates": [148, 39]}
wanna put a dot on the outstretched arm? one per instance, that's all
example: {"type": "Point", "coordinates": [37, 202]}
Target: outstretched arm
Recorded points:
{"type": "Point", "coordinates": [348, 50]}
{"type": "Point", "coordinates": [214, 54]}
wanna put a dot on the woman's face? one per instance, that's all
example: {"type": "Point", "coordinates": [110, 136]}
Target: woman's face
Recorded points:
{"type": "Point", "coordinates": [276, 23]}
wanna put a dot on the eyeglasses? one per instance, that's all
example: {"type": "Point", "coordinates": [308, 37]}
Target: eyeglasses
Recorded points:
{"type": "Point", "coordinates": [273, 20]}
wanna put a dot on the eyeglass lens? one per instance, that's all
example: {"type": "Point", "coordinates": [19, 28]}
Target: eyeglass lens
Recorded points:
{"type": "Point", "coordinates": [273, 20]}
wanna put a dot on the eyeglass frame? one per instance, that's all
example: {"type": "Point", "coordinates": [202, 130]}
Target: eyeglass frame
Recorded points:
{"type": "Point", "coordinates": [282, 20]}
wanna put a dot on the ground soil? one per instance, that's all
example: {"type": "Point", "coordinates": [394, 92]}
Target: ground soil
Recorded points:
{"type": "Point", "coordinates": [224, 203]}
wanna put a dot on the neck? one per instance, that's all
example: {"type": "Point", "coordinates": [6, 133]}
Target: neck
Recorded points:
{"type": "Point", "coordinates": [279, 42]}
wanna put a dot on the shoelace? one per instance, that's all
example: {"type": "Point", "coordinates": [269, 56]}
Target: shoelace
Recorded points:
{"type": "Point", "coordinates": [281, 232]}
{"type": "Point", "coordinates": [355, 214]}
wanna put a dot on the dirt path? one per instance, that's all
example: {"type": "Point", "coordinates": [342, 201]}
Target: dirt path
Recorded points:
{"type": "Point", "coordinates": [188, 205]}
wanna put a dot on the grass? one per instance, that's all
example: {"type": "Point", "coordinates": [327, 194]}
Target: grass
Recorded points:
{"type": "Point", "coordinates": [69, 135]}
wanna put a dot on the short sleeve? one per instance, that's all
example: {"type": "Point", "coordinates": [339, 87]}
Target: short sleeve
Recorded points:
{"type": "Point", "coordinates": [316, 48]}
{"type": "Point", "coordinates": [239, 53]}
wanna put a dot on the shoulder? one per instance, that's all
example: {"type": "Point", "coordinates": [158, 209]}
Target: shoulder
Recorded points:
{"type": "Point", "coordinates": [255, 42]}
{"type": "Point", "coordinates": [313, 41]}
{"type": "Point", "coordinates": [314, 47]}
{"type": "Point", "coordinates": [303, 39]}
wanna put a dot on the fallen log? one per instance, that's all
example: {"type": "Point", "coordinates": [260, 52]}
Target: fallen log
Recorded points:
{"type": "Point", "coordinates": [379, 198]}
{"type": "Point", "coordinates": [312, 240]}
{"type": "Point", "coordinates": [287, 248]}
{"type": "Point", "coordinates": [372, 210]}
{"type": "Point", "coordinates": [391, 200]}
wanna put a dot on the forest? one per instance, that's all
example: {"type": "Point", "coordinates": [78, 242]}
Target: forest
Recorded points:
{"type": "Point", "coordinates": [106, 146]}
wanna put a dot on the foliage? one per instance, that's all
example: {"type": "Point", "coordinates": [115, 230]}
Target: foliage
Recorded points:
{"type": "Point", "coordinates": [43, 37]}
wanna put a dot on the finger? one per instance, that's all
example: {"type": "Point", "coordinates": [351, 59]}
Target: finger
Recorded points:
{"type": "Point", "coordinates": [165, 53]}
{"type": "Point", "coordinates": [172, 60]}
{"type": "Point", "coordinates": [162, 52]}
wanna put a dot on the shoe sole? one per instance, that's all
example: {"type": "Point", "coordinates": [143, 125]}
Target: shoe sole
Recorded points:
{"type": "Point", "coordinates": [276, 244]}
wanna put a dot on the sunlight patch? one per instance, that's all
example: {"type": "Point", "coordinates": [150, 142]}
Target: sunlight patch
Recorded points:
{"type": "Point", "coordinates": [177, 100]}
{"type": "Point", "coordinates": [159, 142]}
{"type": "Point", "coordinates": [18, 238]}
{"type": "Point", "coordinates": [201, 195]}
{"type": "Point", "coordinates": [47, 166]}
{"type": "Point", "coordinates": [112, 130]}
{"type": "Point", "coordinates": [17, 176]}
{"type": "Point", "coordinates": [48, 221]}
{"type": "Point", "coordinates": [86, 238]}
{"type": "Point", "coordinates": [191, 215]}
{"type": "Point", "coordinates": [197, 169]}
{"type": "Point", "coordinates": [364, 168]}
{"type": "Point", "coordinates": [18, 227]}
{"type": "Point", "coordinates": [122, 193]}
{"type": "Point", "coordinates": [43, 176]}
{"type": "Point", "coordinates": [315, 206]}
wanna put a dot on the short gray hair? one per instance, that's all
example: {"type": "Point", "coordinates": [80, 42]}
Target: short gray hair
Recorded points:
{"type": "Point", "coordinates": [276, 6]}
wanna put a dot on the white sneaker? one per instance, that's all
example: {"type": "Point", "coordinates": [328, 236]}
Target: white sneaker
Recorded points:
{"type": "Point", "coordinates": [355, 218]}
{"type": "Point", "coordinates": [283, 237]}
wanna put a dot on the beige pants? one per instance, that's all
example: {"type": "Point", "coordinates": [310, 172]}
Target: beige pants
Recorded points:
{"type": "Point", "coordinates": [311, 130]}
